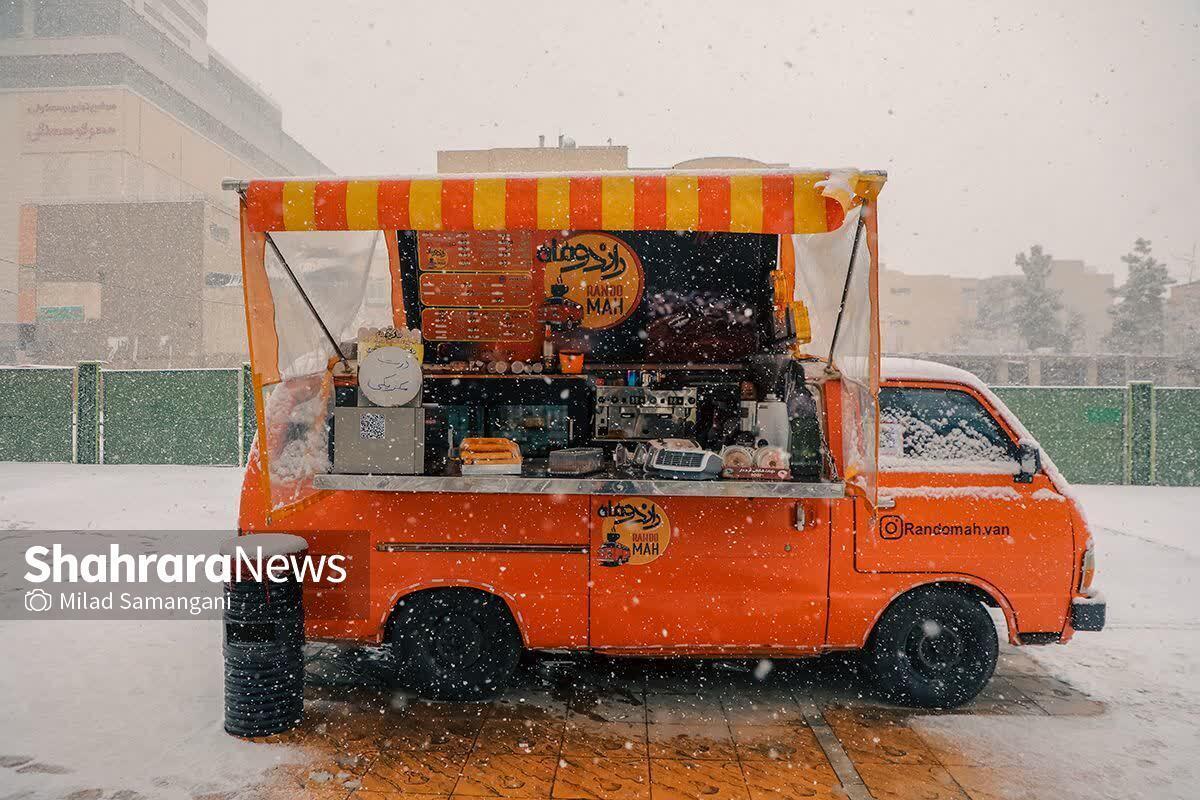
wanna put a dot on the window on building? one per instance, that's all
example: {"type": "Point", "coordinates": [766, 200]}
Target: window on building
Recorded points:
{"type": "Point", "coordinates": [941, 428]}
{"type": "Point", "coordinates": [56, 175]}
{"type": "Point", "coordinates": [76, 18]}
{"type": "Point", "coordinates": [12, 18]}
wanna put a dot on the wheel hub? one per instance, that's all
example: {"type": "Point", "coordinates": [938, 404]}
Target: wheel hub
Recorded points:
{"type": "Point", "coordinates": [458, 641]}
{"type": "Point", "coordinates": [935, 647]}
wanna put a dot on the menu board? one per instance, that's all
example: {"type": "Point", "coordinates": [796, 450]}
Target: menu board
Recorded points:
{"type": "Point", "coordinates": [478, 325]}
{"type": "Point", "coordinates": [478, 286]}
{"type": "Point", "coordinates": [475, 251]}
{"type": "Point", "coordinates": [477, 290]}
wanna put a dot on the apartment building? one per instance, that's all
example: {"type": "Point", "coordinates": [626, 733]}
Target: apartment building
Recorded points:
{"type": "Point", "coordinates": [117, 124]}
{"type": "Point", "coordinates": [953, 314]}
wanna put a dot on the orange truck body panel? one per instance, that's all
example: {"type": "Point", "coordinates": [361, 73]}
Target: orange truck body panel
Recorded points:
{"type": "Point", "coordinates": [736, 576]}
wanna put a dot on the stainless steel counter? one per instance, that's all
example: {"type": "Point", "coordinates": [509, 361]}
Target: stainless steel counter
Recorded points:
{"type": "Point", "coordinates": [604, 484]}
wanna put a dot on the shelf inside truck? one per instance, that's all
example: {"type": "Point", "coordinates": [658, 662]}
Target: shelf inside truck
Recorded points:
{"type": "Point", "coordinates": [601, 483]}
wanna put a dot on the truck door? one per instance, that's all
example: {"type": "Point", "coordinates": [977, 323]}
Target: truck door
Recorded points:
{"type": "Point", "coordinates": [700, 574]}
{"type": "Point", "coordinates": [950, 503]}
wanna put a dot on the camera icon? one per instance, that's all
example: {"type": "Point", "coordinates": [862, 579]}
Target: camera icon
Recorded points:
{"type": "Point", "coordinates": [891, 526]}
{"type": "Point", "coordinates": [38, 600]}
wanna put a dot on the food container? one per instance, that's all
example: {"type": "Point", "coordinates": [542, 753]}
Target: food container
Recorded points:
{"type": "Point", "coordinates": [576, 461]}
{"type": "Point", "coordinates": [570, 362]}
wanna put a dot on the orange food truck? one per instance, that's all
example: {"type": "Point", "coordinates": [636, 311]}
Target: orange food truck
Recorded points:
{"type": "Point", "coordinates": [636, 413]}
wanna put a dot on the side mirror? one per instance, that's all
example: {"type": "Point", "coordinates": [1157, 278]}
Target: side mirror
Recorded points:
{"type": "Point", "coordinates": [1029, 456]}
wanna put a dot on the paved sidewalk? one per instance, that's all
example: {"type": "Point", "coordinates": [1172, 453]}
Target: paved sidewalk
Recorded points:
{"type": "Point", "coordinates": [605, 728]}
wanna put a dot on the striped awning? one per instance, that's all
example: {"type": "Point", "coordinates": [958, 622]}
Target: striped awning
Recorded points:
{"type": "Point", "coordinates": [740, 201]}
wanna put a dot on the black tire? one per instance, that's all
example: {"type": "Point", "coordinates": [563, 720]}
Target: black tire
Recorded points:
{"type": "Point", "coordinates": [455, 644]}
{"type": "Point", "coordinates": [933, 648]}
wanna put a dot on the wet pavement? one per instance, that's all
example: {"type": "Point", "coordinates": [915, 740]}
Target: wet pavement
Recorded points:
{"type": "Point", "coordinates": [617, 728]}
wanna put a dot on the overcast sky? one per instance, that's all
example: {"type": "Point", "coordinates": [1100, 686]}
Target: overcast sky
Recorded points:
{"type": "Point", "coordinates": [1075, 125]}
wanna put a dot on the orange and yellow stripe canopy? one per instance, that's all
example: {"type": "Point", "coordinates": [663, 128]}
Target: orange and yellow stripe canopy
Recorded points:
{"type": "Point", "coordinates": [740, 201]}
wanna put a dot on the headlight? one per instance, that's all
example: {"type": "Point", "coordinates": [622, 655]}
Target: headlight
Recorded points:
{"type": "Point", "coordinates": [1088, 570]}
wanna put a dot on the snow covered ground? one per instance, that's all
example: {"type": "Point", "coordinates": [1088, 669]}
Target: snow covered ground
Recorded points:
{"type": "Point", "coordinates": [1145, 666]}
{"type": "Point", "coordinates": [138, 705]}
{"type": "Point", "coordinates": [116, 704]}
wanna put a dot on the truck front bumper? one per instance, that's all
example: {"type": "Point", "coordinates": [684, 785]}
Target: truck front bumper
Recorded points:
{"type": "Point", "coordinates": [1088, 613]}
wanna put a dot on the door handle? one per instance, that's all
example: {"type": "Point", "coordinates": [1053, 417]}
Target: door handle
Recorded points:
{"type": "Point", "coordinates": [885, 501]}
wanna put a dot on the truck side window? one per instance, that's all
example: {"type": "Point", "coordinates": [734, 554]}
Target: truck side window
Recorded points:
{"type": "Point", "coordinates": [941, 429]}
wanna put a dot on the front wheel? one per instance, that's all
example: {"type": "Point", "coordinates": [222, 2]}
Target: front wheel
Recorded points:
{"type": "Point", "coordinates": [455, 644]}
{"type": "Point", "coordinates": [933, 648]}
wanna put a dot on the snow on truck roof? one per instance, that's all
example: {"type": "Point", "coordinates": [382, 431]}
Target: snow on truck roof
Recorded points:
{"type": "Point", "coordinates": [916, 369]}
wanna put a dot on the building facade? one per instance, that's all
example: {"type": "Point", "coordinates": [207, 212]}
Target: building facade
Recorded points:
{"type": "Point", "coordinates": [565, 156]}
{"type": "Point", "coordinates": [974, 315]}
{"type": "Point", "coordinates": [117, 124]}
{"type": "Point", "coordinates": [1183, 324]}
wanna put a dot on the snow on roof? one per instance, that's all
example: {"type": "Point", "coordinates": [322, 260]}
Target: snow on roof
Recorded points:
{"type": "Point", "coordinates": [916, 369]}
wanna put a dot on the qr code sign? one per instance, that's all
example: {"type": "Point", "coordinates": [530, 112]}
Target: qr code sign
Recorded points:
{"type": "Point", "coordinates": [371, 426]}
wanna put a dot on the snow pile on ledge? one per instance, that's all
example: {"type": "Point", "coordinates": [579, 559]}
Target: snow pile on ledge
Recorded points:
{"type": "Point", "coordinates": [947, 492]}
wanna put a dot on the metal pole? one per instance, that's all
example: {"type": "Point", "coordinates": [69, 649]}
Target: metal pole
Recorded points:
{"type": "Point", "coordinates": [304, 296]}
{"type": "Point", "coordinates": [240, 188]}
{"type": "Point", "coordinates": [837, 327]}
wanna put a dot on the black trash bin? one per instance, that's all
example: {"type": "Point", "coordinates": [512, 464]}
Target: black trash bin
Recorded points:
{"type": "Point", "coordinates": [264, 640]}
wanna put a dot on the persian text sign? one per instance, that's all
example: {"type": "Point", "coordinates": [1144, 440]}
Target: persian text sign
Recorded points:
{"type": "Point", "coordinates": [601, 273]}
{"type": "Point", "coordinates": [60, 122]}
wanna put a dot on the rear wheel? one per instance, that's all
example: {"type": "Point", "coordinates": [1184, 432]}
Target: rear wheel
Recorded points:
{"type": "Point", "coordinates": [933, 648]}
{"type": "Point", "coordinates": [455, 644]}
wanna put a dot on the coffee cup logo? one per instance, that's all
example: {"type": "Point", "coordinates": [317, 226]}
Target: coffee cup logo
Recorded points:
{"type": "Point", "coordinates": [599, 272]}
{"type": "Point", "coordinates": [636, 531]}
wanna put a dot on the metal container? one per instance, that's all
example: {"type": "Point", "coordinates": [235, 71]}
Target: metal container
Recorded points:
{"type": "Point", "coordinates": [379, 441]}
{"type": "Point", "coordinates": [576, 461]}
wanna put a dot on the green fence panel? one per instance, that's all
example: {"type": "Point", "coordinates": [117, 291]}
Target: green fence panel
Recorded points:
{"type": "Point", "coordinates": [37, 410]}
{"type": "Point", "coordinates": [1139, 433]}
{"type": "Point", "coordinates": [1082, 429]}
{"type": "Point", "coordinates": [1106, 435]}
{"type": "Point", "coordinates": [1177, 437]}
{"type": "Point", "coordinates": [249, 415]}
{"type": "Point", "coordinates": [171, 416]}
{"type": "Point", "coordinates": [87, 413]}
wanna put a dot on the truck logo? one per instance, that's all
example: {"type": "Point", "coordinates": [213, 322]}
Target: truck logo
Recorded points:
{"type": "Point", "coordinates": [600, 272]}
{"type": "Point", "coordinates": [636, 531]}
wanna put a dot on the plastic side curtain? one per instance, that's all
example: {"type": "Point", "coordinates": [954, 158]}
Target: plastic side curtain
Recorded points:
{"type": "Point", "coordinates": [346, 278]}
{"type": "Point", "coordinates": [836, 277]}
